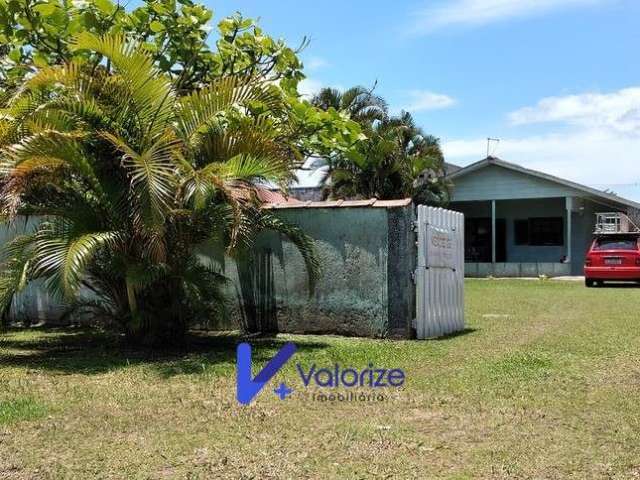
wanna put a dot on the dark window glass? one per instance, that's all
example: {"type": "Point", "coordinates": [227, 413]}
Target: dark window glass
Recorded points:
{"type": "Point", "coordinates": [477, 239]}
{"type": "Point", "coordinates": [546, 231]}
{"type": "Point", "coordinates": [616, 243]}
{"type": "Point", "coordinates": [521, 228]}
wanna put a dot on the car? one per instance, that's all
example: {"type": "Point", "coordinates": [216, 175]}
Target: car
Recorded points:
{"type": "Point", "coordinates": [613, 257]}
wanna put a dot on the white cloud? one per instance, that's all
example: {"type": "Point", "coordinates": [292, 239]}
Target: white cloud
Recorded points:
{"type": "Point", "coordinates": [599, 143]}
{"type": "Point", "coordinates": [421, 100]}
{"type": "Point", "coordinates": [316, 63]}
{"type": "Point", "coordinates": [309, 87]}
{"type": "Point", "coordinates": [618, 111]}
{"type": "Point", "coordinates": [481, 12]}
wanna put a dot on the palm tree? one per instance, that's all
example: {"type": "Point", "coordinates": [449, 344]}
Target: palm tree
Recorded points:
{"type": "Point", "coordinates": [398, 160]}
{"type": "Point", "coordinates": [360, 105]}
{"type": "Point", "coordinates": [358, 102]}
{"type": "Point", "coordinates": [128, 178]}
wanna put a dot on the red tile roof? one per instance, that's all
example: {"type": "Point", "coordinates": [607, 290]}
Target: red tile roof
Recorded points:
{"type": "Point", "coordinates": [275, 197]}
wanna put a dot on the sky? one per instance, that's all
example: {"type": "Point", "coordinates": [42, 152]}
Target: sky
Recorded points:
{"type": "Point", "coordinates": [557, 81]}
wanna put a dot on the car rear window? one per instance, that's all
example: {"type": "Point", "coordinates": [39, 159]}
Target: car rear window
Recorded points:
{"type": "Point", "coordinates": [616, 243]}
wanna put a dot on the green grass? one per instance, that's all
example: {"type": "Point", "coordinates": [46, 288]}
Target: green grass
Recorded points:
{"type": "Point", "coordinates": [544, 383]}
{"type": "Point", "coordinates": [19, 409]}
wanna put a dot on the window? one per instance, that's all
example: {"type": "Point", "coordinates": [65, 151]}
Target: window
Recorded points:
{"type": "Point", "coordinates": [616, 243]}
{"type": "Point", "coordinates": [477, 239]}
{"type": "Point", "coordinates": [521, 230]}
{"type": "Point", "coordinates": [546, 231]}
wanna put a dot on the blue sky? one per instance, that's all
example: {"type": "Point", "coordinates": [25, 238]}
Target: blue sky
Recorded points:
{"type": "Point", "coordinates": [558, 81]}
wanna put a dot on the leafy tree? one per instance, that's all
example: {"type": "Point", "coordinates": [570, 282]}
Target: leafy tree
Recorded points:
{"type": "Point", "coordinates": [135, 141]}
{"type": "Point", "coordinates": [129, 177]}
{"type": "Point", "coordinates": [396, 160]}
{"type": "Point", "coordinates": [358, 102]}
{"type": "Point", "coordinates": [36, 33]}
{"type": "Point", "coordinates": [175, 33]}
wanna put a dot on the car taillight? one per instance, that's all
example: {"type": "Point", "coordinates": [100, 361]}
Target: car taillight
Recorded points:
{"type": "Point", "coordinates": [588, 261]}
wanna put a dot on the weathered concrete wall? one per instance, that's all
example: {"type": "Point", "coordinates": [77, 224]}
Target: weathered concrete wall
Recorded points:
{"type": "Point", "coordinates": [34, 304]}
{"type": "Point", "coordinates": [525, 269]}
{"type": "Point", "coordinates": [365, 288]}
{"type": "Point", "coordinates": [367, 254]}
{"type": "Point", "coordinates": [401, 265]}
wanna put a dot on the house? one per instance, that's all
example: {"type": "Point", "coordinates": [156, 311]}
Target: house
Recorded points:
{"type": "Point", "coordinates": [522, 222]}
{"type": "Point", "coordinates": [310, 180]}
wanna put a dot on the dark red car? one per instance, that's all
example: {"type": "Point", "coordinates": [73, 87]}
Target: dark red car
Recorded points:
{"type": "Point", "coordinates": [613, 257]}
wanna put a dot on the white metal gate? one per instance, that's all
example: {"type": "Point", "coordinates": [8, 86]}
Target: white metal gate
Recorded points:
{"type": "Point", "coordinates": [440, 272]}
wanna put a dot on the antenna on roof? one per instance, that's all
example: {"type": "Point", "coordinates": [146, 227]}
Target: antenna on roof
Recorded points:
{"type": "Point", "coordinates": [489, 140]}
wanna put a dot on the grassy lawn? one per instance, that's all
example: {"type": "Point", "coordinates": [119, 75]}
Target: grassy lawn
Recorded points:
{"type": "Point", "coordinates": [545, 383]}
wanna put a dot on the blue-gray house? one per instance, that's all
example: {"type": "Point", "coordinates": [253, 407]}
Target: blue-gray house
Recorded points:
{"type": "Point", "coordinates": [521, 222]}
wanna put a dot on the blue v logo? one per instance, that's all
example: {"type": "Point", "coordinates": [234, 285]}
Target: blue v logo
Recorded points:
{"type": "Point", "coordinates": [248, 387]}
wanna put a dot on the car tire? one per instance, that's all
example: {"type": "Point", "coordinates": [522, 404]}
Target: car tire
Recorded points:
{"type": "Point", "coordinates": [589, 282]}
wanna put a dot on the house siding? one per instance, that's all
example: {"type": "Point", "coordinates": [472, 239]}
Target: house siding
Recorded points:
{"type": "Point", "coordinates": [521, 196]}
{"type": "Point", "coordinates": [497, 183]}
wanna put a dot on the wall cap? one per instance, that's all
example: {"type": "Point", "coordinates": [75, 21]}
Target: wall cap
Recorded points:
{"type": "Point", "coordinates": [372, 202]}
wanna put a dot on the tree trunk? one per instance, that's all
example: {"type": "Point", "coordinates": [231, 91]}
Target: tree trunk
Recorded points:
{"type": "Point", "coordinates": [158, 319]}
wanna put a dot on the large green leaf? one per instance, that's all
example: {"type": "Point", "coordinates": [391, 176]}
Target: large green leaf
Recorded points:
{"type": "Point", "coordinates": [62, 251]}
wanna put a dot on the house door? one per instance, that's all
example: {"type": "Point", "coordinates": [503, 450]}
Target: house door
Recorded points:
{"type": "Point", "coordinates": [477, 240]}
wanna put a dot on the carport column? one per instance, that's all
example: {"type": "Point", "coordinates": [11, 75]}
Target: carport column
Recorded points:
{"type": "Point", "coordinates": [569, 204]}
{"type": "Point", "coordinates": [493, 231]}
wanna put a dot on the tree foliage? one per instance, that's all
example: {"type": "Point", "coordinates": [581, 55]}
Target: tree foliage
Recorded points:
{"type": "Point", "coordinates": [135, 144]}
{"type": "Point", "coordinates": [37, 33]}
{"type": "Point", "coordinates": [396, 160]}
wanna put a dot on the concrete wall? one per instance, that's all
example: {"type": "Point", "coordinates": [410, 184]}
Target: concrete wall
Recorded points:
{"type": "Point", "coordinates": [365, 287]}
{"type": "Point", "coordinates": [33, 305]}
{"type": "Point", "coordinates": [313, 194]}
{"type": "Point", "coordinates": [528, 269]}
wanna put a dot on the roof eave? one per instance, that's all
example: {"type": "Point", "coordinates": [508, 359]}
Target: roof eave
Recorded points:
{"type": "Point", "coordinates": [551, 178]}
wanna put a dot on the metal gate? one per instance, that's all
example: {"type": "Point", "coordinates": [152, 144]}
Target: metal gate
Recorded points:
{"type": "Point", "coordinates": [440, 272]}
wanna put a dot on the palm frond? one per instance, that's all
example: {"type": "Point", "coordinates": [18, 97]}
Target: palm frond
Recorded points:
{"type": "Point", "coordinates": [14, 276]}
{"type": "Point", "coordinates": [197, 111]}
{"type": "Point", "coordinates": [62, 251]}
{"type": "Point", "coordinates": [152, 176]}
{"type": "Point", "coordinates": [48, 149]}
{"type": "Point", "coordinates": [252, 169]}
{"type": "Point", "coordinates": [149, 91]}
